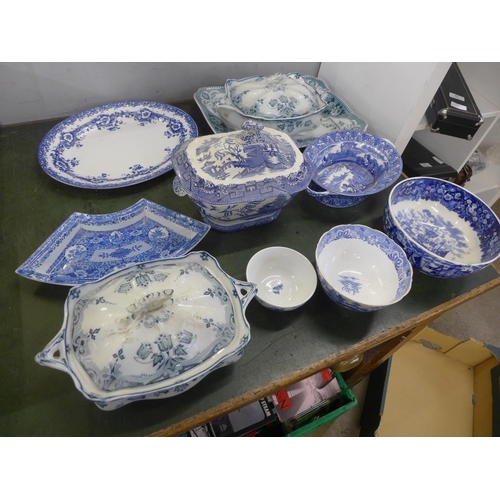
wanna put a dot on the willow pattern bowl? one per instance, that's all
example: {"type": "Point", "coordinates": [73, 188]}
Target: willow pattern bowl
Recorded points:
{"type": "Point", "coordinates": [445, 230]}
{"type": "Point", "coordinates": [361, 268]}
{"type": "Point", "coordinates": [284, 277]}
{"type": "Point", "coordinates": [151, 331]}
{"type": "Point", "coordinates": [350, 165]}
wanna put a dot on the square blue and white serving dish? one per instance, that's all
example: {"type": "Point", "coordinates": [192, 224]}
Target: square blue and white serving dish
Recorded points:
{"type": "Point", "coordinates": [224, 114]}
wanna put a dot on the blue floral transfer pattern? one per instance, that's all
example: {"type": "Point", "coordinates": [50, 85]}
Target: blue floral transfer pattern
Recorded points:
{"type": "Point", "coordinates": [435, 246]}
{"type": "Point", "coordinates": [60, 152]}
{"type": "Point", "coordinates": [335, 116]}
{"type": "Point", "coordinates": [155, 347]}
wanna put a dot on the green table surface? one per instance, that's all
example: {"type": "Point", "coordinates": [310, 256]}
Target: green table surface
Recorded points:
{"type": "Point", "coordinates": [39, 401]}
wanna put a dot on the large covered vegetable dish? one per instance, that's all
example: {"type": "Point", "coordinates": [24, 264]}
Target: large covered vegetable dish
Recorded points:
{"type": "Point", "coordinates": [151, 331]}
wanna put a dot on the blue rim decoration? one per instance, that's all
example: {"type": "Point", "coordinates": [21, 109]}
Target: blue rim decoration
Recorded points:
{"type": "Point", "coordinates": [423, 251]}
{"type": "Point", "coordinates": [356, 147]}
{"type": "Point", "coordinates": [58, 151]}
{"type": "Point", "coordinates": [347, 296]}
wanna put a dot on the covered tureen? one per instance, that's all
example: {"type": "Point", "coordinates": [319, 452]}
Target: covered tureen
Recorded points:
{"type": "Point", "coordinates": [151, 331]}
{"type": "Point", "coordinates": [242, 178]}
{"type": "Point", "coordinates": [284, 102]}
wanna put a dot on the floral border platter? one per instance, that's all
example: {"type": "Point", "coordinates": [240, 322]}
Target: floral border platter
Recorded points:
{"type": "Point", "coordinates": [336, 116]}
{"type": "Point", "coordinates": [88, 247]}
{"type": "Point", "coordinates": [115, 145]}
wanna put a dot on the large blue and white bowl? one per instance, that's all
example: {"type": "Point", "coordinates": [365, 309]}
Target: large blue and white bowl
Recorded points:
{"type": "Point", "coordinates": [350, 165]}
{"type": "Point", "coordinates": [445, 230]}
{"type": "Point", "coordinates": [361, 268]}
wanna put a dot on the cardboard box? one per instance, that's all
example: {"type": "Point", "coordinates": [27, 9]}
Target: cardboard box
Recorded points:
{"type": "Point", "coordinates": [252, 417]}
{"type": "Point", "coordinates": [436, 386]}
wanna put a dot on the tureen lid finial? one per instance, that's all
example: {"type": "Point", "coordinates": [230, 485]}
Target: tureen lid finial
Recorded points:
{"type": "Point", "coordinates": [251, 131]}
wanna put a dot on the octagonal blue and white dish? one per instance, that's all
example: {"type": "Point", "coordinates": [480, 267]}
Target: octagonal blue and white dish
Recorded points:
{"type": "Point", "coordinates": [361, 268]}
{"type": "Point", "coordinates": [115, 145]}
{"type": "Point", "coordinates": [240, 179]}
{"type": "Point", "coordinates": [445, 230]}
{"type": "Point", "coordinates": [87, 247]}
{"type": "Point", "coordinates": [335, 116]}
{"type": "Point", "coordinates": [350, 165]}
{"type": "Point", "coordinates": [151, 331]}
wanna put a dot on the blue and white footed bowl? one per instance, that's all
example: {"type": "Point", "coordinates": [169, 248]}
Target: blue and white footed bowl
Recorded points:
{"type": "Point", "coordinates": [362, 269]}
{"type": "Point", "coordinates": [445, 230]}
{"type": "Point", "coordinates": [151, 331]}
{"type": "Point", "coordinates": [350, 165]}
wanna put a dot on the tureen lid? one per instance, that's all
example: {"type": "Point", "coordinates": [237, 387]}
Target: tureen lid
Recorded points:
{"type": "Point", "coordinates": [240, 166]}
{"type": "Point", "coordinates": [275, 96]}
{"type": "Point", "coordinates": [156, 322]}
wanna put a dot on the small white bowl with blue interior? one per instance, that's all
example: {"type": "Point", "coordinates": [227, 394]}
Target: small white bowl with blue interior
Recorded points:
{"type": "Point", "coordinates": [350, 165]}
{"type": "Point", "coordinates": [445, 230]}
{"type": "Point", "coordinates": [361, 268]}
{"type": "Point", "coordinates": [285, 278]}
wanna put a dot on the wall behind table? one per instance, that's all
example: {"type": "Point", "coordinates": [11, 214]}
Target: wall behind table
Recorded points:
{"type": "Point", "coordinates": [40, 91]}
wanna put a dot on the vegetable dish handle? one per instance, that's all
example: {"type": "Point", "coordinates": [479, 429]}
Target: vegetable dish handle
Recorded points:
{"type": "Point", "coordinates": [54, 354]}
{"type": "Point", "coordinates": [246, 292]}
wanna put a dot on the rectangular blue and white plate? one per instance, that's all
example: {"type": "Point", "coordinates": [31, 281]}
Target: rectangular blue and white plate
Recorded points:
{"type": "Point", "coordinates": [88, 247]}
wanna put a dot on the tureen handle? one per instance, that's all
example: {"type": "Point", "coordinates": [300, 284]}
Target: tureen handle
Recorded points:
{"type": "Point", "coordinates": [314, 191]}
{"type": "Point", "coordinates": [246, 291]}
{"type": "Point", "coordinates": [54, 354]}
{"type": "Point", "coordinates": [178, 189]}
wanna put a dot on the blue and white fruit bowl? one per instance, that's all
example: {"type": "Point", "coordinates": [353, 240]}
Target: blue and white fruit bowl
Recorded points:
{"type": "Point", "coordinates": [350, 165]}
{"type": "Point", "coordinates": [361, 268]}
{"type": "Point", "coordinates": [445, 230]}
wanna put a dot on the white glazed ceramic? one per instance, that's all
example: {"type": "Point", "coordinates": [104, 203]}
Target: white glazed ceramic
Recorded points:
{"type": "Point", "coordinates": [151, 331]}
{"type": "Point", "coordinates": [115, 145]}
{"type": "Point", "coordinates": [361, 268]}
{"type": "Point", "coordinates": [445, 230]}
{"type": "Point", "coordinates": [335, 116]}
{"type": "Point", "coordinates": [273, 97]}
{"type": "Point", "coordinates": [240, 179]}
{"type": "Point", "coordinates": [87, 247]}
{"type": "Point", "coordinates": [284, 277]}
